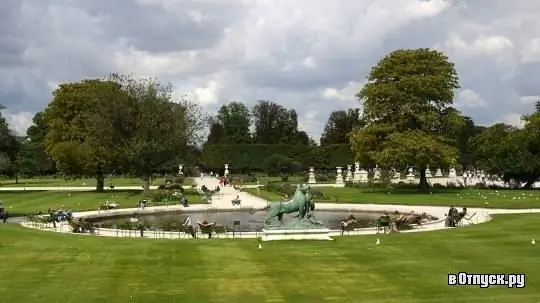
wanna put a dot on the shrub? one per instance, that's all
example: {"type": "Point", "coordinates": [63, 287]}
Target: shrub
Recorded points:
{"type": "Point", "coordinates": [243, 179]}
{"type": "Point", "coordinates": [179, 180]}
{"type": "Point", "coordinates": [174, 186]}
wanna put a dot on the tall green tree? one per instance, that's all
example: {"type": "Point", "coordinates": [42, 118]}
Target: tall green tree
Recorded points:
{"type": "Point", "coordinates": [274, 124]}
{"type": "Point", "coordinates": [510, 152]}
{"type": "Point", "coordinates": [340, 123]}
{"type": "Point", "coordinates": [35, 144]}
{"type": "Point", "coordinates": [236, 120]}
{"type": "Point", "coordinates": [10, 147]}
{"type": "Point", "coordinates": [216, 134]}
{"type": "Point", "coordinates": [163, 130]}
{"type": "Point", "coordinates": [87, 123]}
{"type": "Point", "coordinates": [406, 108]}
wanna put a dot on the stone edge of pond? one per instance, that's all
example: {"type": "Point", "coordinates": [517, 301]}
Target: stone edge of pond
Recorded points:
{"type": "Point", "coordinates": [482, 215]}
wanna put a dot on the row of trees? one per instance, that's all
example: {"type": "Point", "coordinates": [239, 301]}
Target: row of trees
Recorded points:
{"type": "Point", "coordinates": [125, 125]}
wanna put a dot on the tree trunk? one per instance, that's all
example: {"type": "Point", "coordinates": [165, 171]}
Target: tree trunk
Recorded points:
{"type": "Point", "coordinates": [146, 184]}
{"type": "Point", "coordinates": [424, 185]}
{"type": "Point", "coordinates": [16, 178]}
{"type": "Point", "coordinates": [100, 184]}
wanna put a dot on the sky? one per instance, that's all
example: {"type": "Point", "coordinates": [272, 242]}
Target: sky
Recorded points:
{"type": "Point", "coordinates": [312, 56]}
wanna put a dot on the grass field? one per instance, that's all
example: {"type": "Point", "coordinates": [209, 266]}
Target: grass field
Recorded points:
{"type": "Point", "coordinates": [441, 197]}
{"type": "Point", "coordinates": [116, 181]}
{"type": "Point", "coordinates": [48, 267]}
{"type": "Point", "coordinates": [21, 203]}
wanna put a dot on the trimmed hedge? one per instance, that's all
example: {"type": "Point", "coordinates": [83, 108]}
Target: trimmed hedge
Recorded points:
{"type": "Point", "coordinates": [251, 157]}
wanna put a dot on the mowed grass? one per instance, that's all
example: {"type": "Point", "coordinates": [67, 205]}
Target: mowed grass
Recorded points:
{"type": "Point", "coordinates": [48, 267]}
{"type": "Point", "coordinates": [58, 182]}
{"type": "Point", "coordinates": [440, 197]}
{"type": "Point", "coordinates": [22, 203]}
{"type": "Point", "coordinates": [264, 180]}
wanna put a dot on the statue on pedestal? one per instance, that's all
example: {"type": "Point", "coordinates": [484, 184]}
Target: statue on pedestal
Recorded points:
{"type": "Point", "coordinates": [301, 203]}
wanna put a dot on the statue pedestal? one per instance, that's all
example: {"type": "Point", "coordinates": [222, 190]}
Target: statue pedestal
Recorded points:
{"type": "Point", "coordinates": [296, 234]}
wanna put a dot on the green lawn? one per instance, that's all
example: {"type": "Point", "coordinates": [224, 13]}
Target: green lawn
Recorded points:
{"type": "Point", "coordinates": [18, 203]}
{"type": "Point", "coordinates": [116, 181]}
{"type": "Point", "coordinates": [48, 267]}
{"type": "Point", "coordinates": [441, 197]}
{"type": "Point", "coordinates": [292, 179]}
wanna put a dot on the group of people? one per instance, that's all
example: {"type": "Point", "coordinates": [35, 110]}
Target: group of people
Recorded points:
{"type": "Point", "coordinates": [57, 216]}
{"type": "Point", "coordinates": [454, 217]}
{"type": "Point", "coordinates": [387, 223]}
{"type": "Point", "coordinates": [204, 226]}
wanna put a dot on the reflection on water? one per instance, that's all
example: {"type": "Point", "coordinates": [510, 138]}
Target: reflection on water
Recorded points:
{"type": "Point", "coordinates": [248, 222]}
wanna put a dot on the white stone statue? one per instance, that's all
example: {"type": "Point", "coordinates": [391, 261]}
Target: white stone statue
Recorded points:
{"type": "Point", "coordinates": [438, 173]}
{"type": "Point", "coordinates": [376, 173]}
{"type": "Point", "coordinates": [311, 176]}
{"type": "Point", "coordinates": [452, 173]}
{"type": "Point", "coordinates": [356, 177]}
{"type": "Point", "coordinates": [226, 173]}
{"type": "Point", "coordinates": [180, 167]}
{"type": "Point", "coordinates": [349, 176]}
{"type": "Point", "coordinates": [339, 176]}
{"type": "Point", "coordinates": [363, 175]}
{"type": "Point", "coordinates": [410, 176]}
{"type": "Point", "coordinates": [428, 172]}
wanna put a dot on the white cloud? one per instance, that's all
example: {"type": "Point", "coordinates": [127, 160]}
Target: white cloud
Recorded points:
{"type": "Point", "coordinates": [345, 93]}
{"type": "Point", "coordinates": [513, 119]}
{"type": "Point", "coordinates": [311, 55]}
{"type": "Point", "coordinates": [468, 98]}
{"type": "Point", "coordinates": [531, 51]}
{"type": "Point", "coordinates": [18, 122]}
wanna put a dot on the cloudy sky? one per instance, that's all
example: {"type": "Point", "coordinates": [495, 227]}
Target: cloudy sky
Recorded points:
{"type": "Point", "coordinates": [311, 55]}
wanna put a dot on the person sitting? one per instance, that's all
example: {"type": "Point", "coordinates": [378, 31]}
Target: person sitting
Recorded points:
{"type": "Point", "coordinates": [142, 203]}
{"type": "Point", "coordinates": [188, 227]}
{"type": "Point", "coordinates": [204, 188]}
{"type": "Point", "coordinates": [383, 222]}
{"type": "Point", "coordinates": [395, 221]}
{"type": "Point", "coordinates": [463, 215]}
{"type": "Point", "coordinates": [236, 201]}
{"type": "Point", "coordinates": [206, 227]}
{"type": "Point", "coordinates": [347, 223]}
{"type": "Point", "coordinates": [184, 201]}
{"type": "Point", "coordinates": [451, 217]}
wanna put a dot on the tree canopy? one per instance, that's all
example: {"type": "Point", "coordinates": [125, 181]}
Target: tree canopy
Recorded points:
{"type": "Point", "coordinates": [407, 110]}
{"type": "Point", "coordinates": [340, 123]}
